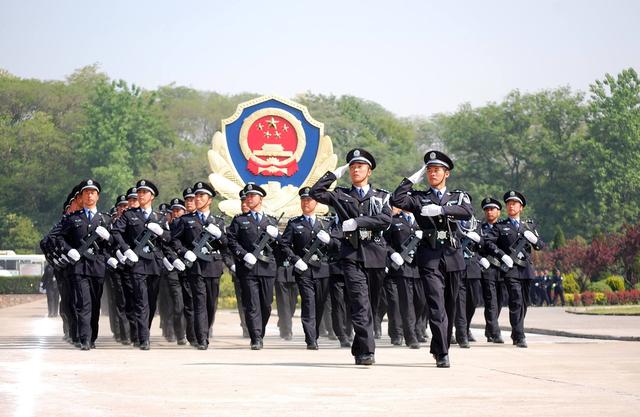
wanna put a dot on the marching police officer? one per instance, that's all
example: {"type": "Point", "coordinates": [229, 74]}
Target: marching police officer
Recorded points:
{"type": "Point", "coordinates": [187, 297]}
{"type": "Point", "coordinates": [251, 236]}
{"type": "Point", "coordinates": [471, 243]}
{"type": "Point", "coordinates": [83, 236]}
{"type": "Point", "coordinates": [440, 260]}
{"type": "Point", "coordinates": [403, 237]}
{"type": "Point", "coordinates": [514, 239]}
{"type": "Point", "coordinates": [199, 238]}
{"type": "Point", "coordinates": [304, 240]}
{"type": "Point", "coordinates": [491, 277]}
{"type": "Point", "coordinates": [140, 233]}
{"type": "Point", "coordinates": [364, 213]}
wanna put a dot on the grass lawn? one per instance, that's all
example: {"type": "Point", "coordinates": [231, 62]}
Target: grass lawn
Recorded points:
{"type": "Point", "coordinates": [624, 310]}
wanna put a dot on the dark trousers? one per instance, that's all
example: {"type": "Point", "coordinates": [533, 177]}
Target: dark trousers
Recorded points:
{"type": "Point", "coordinates": [117, 306]}
{"type": "Point", "coordinates": [88, 293]}
{"type": "Point", "coordinates": [141, 304]}
{"type": "Point", "coordinates": [518, 302]}
{"type": "Point", "coordinates": [187, 299]}
{"type": "Point", "coordinates": [411, 295]}
{"type": "Point", "coordinates": [492, 305]}
{"type": "Point", "coordinates": [69, 303]}
{"type": "Point", "coordinates": [257, 293]}
{"type": "Point", "coordinates": [205, 291]}
{"type": "Point", "coordinates": [153, 287]}
{"type": "Point", "coordinates": [165, 307]}
{"type": "Point", "coordinates": [340, 308]}
{"type": "Point", "coordinates": [441, 289]}
{"type": "Point", "coordinates": [558, 292]}
{"type": "Point", "coordinates": [128, 288]}
{"type": "Point", "coordinates": [363, 286]}
{"type": "Point", "coordinates": [313, 294]}
{"type": "Point", "coordinates": [238, 290]}
{"type": "Point", "coordinates": [286, 300]}
{"type": "Point", "coordinates": [53, 299]}
{"type": "Point", "coordinates": [392, 299]}
{"type": "Point", "coordinates": [466, 306]}
{"type": "Point", "coordinates": [175, 319]}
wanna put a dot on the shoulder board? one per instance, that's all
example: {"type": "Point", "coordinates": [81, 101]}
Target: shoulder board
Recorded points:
{"type": "Point", "coordinates": [530, 221]}
{"type": "Point", "coordinates": [382, 190]}
{"type": "Point", "coordinates": [502, 221]}
{"type": "Point", "coordinates": [237, 215]}
{"type": "Point", "coordinates": [81, 211]}
{"type": "Point", "coordinates": [344, 189]}
{"type": "Point", "coordinates": [272, 217]}
{"type": "Point", "coordinates": [218, 217]}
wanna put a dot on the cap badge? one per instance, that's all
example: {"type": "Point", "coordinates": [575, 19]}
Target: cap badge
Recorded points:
{"type": "Point", "coordinates": [89, 182]}
{"type": "Point", "coordinates": [512, 193]}
{"type": "Point", "coordinates": [356, 152]}
{"type": "Point", "coordinates": [432, 155]}
{"type": "Point", "coordinates": [143, 182]}
{"type": "Point", "coordinates": [249, 187]}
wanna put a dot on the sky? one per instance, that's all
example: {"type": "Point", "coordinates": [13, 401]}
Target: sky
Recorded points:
{"type": "Point", "coordinates": [415, 58]}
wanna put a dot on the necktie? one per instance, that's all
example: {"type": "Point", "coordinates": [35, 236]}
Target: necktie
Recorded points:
{"type": "Point", "coordinates": [257, 216]}
{"type": "Point", "coordinates": [310, 220]}
{"type": "Point", "coordinates": [439, 194]}
{"type": "Point", "coordinates": [201, 217]}
{"type": "Point", "coordinates": [361, 192]}
{"type": "Point", "coordinates": [89, 215]}
{"type": "Point", "coordinates": [516, 223]}
{"type": "Point", "coordinates": [146, 215]}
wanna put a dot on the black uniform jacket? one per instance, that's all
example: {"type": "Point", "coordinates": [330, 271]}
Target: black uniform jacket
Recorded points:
{"type": "Point", "coordinates": [186, 232]}
{"type": "Point", "coordinates": [129, 227]}
{"type": "Point", "coordinates": [397, 234]}
{"type": "Point", "coordinates": [74, 229]}
{"type": "Point", "coordinates": [371, 212]}
{"type": "Point", "coordinates": [439, 240]}
{"type": "Point", "coordinates": [503, 235]}
{"type": "Point", "coordinates": [243, 234]}
{"type": "Point", "coordinates": [299, 234]}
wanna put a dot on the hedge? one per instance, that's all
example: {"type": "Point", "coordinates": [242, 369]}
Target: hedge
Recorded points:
{"type": "Point", "coordinates": [588, 298]}
{"type": "Point", "coordinates": [19, 284]}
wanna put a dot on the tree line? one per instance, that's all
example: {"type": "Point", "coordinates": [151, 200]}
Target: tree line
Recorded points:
{"type": "Point", "coordinates": [574, 154]}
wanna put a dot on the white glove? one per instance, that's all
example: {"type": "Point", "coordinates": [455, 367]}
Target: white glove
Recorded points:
{"type": "Point", "coordinates": [272, 231]}
{"type": "Point", "coordinates": [74, 255]}
{"type": "Point", "coordinates": [418, 234]}
{"type": "Point", "coordinates": [112, 262]}
{"type": "Point", "coordinates": [131, 255]}
{"type": "Point", "coordinates": [531, 237]}
{"type": "Point", "coordinates": [190, 256]}
{"type": "Point", "coordinates": [214, 230]}
{"type": "Point", "coordinates": [250, 259]}
{"type": "Point", "coordinates": [155, 228]}
{"type": "Point", "coordinates": [121, 257]}
{"type": "Point", "coordinates": [323, 236]}
{"type": "Point", "coordinates": [64, 257]}
{"type": "Point", "coordinates": [485, 263]}
{"type": "Point", "coordinates": [397, 258]}
{"type": "Point", "coordinates": [167, 264]}
{"type": "Point", "coordinates": [418, 176]}
{"type": "Point", "coordinates": [103, 233]}
{"type": "Point", "coordinates": [233, 268]}
{"type": "Point", "coordinates": [349, 225]}
{"type": "Point", "coordinates": [339, 172]}
{"type": "Point", "coordinates": [473, 236]}
{"type": "Point", "coordinates": [507, 260]}
{"type": "Point", "coordinates": [179, 265]}
{"type": "Point", "coordinates": [301, 265]}
{"type": "Point", "coordinates": [431, 210]}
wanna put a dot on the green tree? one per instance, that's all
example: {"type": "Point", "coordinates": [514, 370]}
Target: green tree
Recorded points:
{"type": "Point", "coordinates": [613, 149]}
{"type": "Point", "coordinates": [18, 233]}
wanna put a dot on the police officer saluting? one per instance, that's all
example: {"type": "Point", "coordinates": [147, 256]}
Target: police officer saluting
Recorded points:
{"type": "Point", "coordinates": [199, 238]}
{"type": "Point", "coordinates": [251, 236]}
{"type": "Point", "coordinates": [140, 233]}
{"type": "Point", "coordinates": [304, 240]}
{"type": "Point", "coordinates": [364, 213]}
{"type": "Point", "coordinates": [83, 236]}
{"type": "Point", "coordinates": [439, 257]}
{"type": "Point", "coordinates": [514, 239]}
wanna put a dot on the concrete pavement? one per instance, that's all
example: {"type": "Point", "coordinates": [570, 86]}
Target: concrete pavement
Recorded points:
{"type": "Point", "coordinates": [42, 376]}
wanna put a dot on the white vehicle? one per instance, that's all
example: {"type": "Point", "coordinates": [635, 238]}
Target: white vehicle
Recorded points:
{"type": "Point", "coordinates": [12, 264]}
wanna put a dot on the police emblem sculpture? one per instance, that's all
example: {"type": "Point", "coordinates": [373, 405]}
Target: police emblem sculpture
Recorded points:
{"type": "Point", "coordinates": [274, 143]}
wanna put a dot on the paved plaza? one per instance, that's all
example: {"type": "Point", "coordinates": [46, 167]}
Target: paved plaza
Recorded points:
{"type": "Point", "coordinates": [40, 375]}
